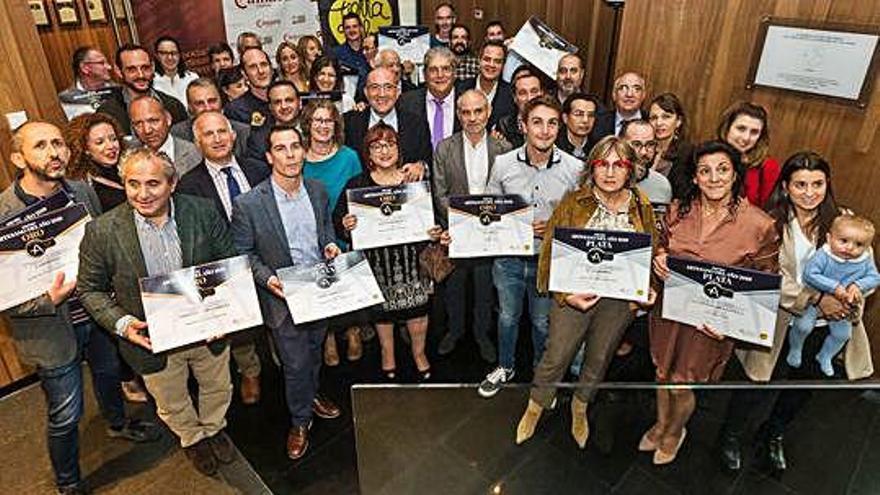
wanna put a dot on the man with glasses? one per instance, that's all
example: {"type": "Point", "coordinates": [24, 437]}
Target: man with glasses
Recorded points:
{"type": "Point", "coordinates": [628, 96]}
{"type": "Point", "coordinates": [91, 83]}
{"type": "Point", "coordinates": [579, 116]}
{"type": "Point", "coordinates": [489, 82]}
{"type": "Point", "coordinates": [639, 134]}
{"type": "Point", "coordinates": [434, 104]}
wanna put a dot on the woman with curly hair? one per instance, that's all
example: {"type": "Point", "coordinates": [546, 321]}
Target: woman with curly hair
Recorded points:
{"type": "Point", "coordinates": [95, 148]}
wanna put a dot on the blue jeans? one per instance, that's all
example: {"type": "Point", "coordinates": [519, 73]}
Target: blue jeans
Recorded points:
{"type": "Point", "coordinates": [514, 278]}
{"type": "Point", "coordinates": [299, 347]}
{"type": "Point", "coordinates": [63, 387]}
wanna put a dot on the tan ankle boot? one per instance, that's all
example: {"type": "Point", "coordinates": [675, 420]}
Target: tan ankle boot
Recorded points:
{"type": "Point", "coordinates": [526, 427]}
{"type": "Point", "coordinates": [580, 428]}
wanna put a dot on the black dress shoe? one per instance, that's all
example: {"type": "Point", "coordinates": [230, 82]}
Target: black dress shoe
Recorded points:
{"type": "Point", "coordinates": [776, 453]}
{"type": "Point", "coordinates": [730, 451]}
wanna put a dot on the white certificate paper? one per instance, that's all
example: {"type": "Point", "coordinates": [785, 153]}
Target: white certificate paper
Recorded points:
{"type": "Point", "coordinates": [410, 42]}
{"type": "Point", "coordinates": [603, 262]}
{"type": "Point", "coordinates": [390, 215]}
{"type": "Point", "coordinates": [193, 304]}
{"type": "Point", "coordinates": [738, 302]}
{"type": "Point", "coordinates": [343, 284]}
{"type": "Point", "coordinates": [486, 225]}
{"type": "Point", "coordinates": [33, 251]}
{"type": "Point", "coordinates": [541, 46]}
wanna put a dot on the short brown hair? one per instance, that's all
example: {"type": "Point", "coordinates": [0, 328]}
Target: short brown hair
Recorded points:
{"type": "Point", "coordinates": [379, 132]}
{"type": "Point", "coordinates": [541, 101]}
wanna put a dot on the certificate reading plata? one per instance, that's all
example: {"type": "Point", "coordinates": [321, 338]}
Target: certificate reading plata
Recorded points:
{"type": "Point", "coordinates": [343, 284]}
{"type": "Point", "coordinates": [33, 251]}
{"type": "Point", "coordinates": [195, 303]}
{"type": "Point", "coordinates": [485, 225]}
{"type": "Point", "coordinates": [738, 302]}
{"type": "Point", "coordinates": [389, 215]}
{"type": "Point", "coordinates": [602, 262]}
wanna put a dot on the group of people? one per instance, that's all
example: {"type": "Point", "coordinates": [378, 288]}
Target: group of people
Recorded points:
{"type": "Point", "coordinates": [178, 169]}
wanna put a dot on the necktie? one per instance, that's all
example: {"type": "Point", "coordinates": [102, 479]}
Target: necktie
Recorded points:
{"type": "Point", "coordinates": [437, 133]}
{"type": "Point", "coordinates": [231, 184]}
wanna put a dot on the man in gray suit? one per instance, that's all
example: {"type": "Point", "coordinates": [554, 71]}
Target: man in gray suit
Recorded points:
{"type": "Point", "coordinates": [152, 124]}
{"type": "Point", "coordinates": [285, 221]}
{"type": "Point", "coordinates": [203, 96]}
{"type": "Point", "coordinates": [52, 332]}
{"type": "Point", "coordinates": [462, 165]}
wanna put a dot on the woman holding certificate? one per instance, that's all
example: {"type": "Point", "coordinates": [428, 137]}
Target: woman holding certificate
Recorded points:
{"type": "Point", "coordinates": [607, 200]}
{"type": "Point", "coordinates": [711, 222]}
{"type": "Point", "coordinates": [396, 268]}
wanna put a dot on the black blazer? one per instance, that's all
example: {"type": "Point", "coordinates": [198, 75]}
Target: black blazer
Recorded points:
{"type": "Point", "coordinates": [198, 182]}
{"type": "Point", "coordinates": [502, 103]}
{"type": "Point", "coordinates": [604, 125]}
{"type": "Point", "coordinates": [413, 103]}
{"type": "Point", "coordinates": [415, 143]}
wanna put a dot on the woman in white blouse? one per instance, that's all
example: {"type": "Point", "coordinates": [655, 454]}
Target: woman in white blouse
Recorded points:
{"type": "Point", "coordinates": [171, 75]}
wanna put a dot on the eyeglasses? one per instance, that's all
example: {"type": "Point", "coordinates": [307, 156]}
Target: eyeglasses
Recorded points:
{"type": "Point", "coordinates": [441, 69]}
{"type": "Point", "coordinates": [615, 165]}
{"type": "Point", "coordinates": [581, 114]}
{"type": "Point", "coordinates": [647, 145]}
{"type": "Point", "coordinates": [383, 146]}
{"type": "Point", "coordinates": [323, 121]}
{"type": "Point", "coordinates": [381, 88]}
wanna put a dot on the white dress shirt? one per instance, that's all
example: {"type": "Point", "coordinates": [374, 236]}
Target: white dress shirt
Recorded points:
{"type": "Point", "coordinates": [390, 119]}
{"type": "Point", "coordinates": [476, 163]}
{"type": "Point", "coordinates": [175, 85]}
{"type": "Point", "coordinates": [219, 178]}
{"type": "Point", "coordinates": [168, 148]}
{"type": "Point", "coordinates": [491, 94]}
{"type": "Point", "coordinates": [448, 113]}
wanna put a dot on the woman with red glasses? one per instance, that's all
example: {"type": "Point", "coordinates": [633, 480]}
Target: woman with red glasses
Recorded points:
{"type": "Point", "coordinates": [607, 199]}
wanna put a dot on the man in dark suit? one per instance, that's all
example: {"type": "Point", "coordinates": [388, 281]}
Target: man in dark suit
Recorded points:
{"type": "Point", "coordinates": [152, 127]}
{"type": "Point", "coordinates": [579, 116]}
{"type": "Point", "coordinates": [53, 332]}
{"type": "Point", "coordinates": [382, 95]}
{"type": "Point", "coordinates": [253, 106]}
{"type": "Point", "coordinates": [221, 177]}
{"type": "Point", "coordinates": [462, 165]}
{"type": "Point", "coordinates": [499, 92]}
{"type": "Point", "coordinates": [285, 221]}
{"type": "Point", "coordinates": [434, 105]}
{"type": "Point", "coordinates": [628, 96]}
{"type": "Point", "coordinates": [153, 234]}
{"type": "Point", "coordinates": [134, 67]}
{"type": "Point", "coordinates": [527, 85]}
{"type": "Point", "coordinates": [202, 95]}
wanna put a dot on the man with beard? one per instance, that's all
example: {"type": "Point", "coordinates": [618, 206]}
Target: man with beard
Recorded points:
{"type": "Point", "coordinates": [252, 108]}
{"type": "Point", "coordinates": [639, 134]}
{"type": "Point", "coordinates": [579, 116]}
{"type": "Point", "coordinates": [489, 82]}
{"type": "Point", "coordinates": [569, 76]}
{"type": "Point", "coordinates": [628, 95]}
{"type": "Point", "coordinates": [135, 66]}
{"type": "Point", "coordinates": [466, 64]}
{"type": "Point", "coordinates": [444, 19]}
{"type": "Point", "coordinates": [541, 174]}
{"type": "Point", "coordinates": [152, 126]}
{"type": "Point", "coordinates": [203, 96]}
{"type": "Point", "coordinates": [53, 332]}
{"type": "Point", "coordinates": [91, 83]}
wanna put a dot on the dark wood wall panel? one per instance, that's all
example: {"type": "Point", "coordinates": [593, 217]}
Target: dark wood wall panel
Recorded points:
{"type": "Point", "coordinates": [701, 50]}
{"type": "Point", "coordinates": [586, 23]}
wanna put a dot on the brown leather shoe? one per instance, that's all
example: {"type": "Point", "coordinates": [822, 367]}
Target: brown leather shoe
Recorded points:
{"type": "Point", "coordinates": [324, 408]}
{"type": "Point", "coordinates": [222, 448]}
{"type": "Point", "coordinates": [202, 457]}
{"type": "Point", "coordinates": [297, 441]}
{"type": "Point", "coordinates": [250, 389]}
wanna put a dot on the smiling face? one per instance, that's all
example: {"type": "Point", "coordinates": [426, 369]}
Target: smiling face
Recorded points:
{"type": "Point", "coordinates": [744, 133]}
{"type": "Point", "coordinates": [440, 78]}
{"type": "Point", "coordinates": [214, 137]}
{"type": "Point", "coordinates": [136, 70]}
{"type": "Point", "coordinates": [495, 32]}
{"type": "Point", "coordinates": [541, 127]}
{"type": "Point", "coordinates": [384, 154]}
{"type": "Point", "coordinates": [326, 78]}
{"type": "Point", "coordinates": [148, 188]}
{"type": "Point", "coordinates": [459, 40]}
{"type": "Point", "coordinates": [169, 56]}
{"type": "Point", "coordinates": [322, 126]}
{"type": "Point", "coordinates": [444, 18]}
{"type": "Point", "coordinates": [257, 69]}
{"type": "Point", "coordinates": [491, 62]}
{"type": "Point", "coordinates": [102, 145]}
{"type": "Point", "coordinates": [313, 51]}
{"type": "Point", "coordinates": [807, 189]}
{"type": "Point", "coordinates": [44, 153]}
{"type": "Point", "coordinates": [715, 176]}
{"type": "Point", "coordinates": [381, 90]}
{"type": "Point", "coordinates": [665, 123]}
{"type": "Point", "coordinates": [284, 104]}
{"type": "Point", "coordinates": [285, 154]}
{"type": "Point", "coordinates": [352, 29]}
{"type": "Point", "coordinates": [290, 62]}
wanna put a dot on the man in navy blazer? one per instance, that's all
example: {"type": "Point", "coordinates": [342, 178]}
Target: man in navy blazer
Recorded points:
{"type": "Point", "coordinates": [285, 221]}
{"type": "Point", "coordinates": [500, 93]}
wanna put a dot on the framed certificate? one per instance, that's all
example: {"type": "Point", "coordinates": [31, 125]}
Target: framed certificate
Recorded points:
{"type": "Point", "coordinates": [390, 215]}
{"type": "Point", "coordinates": [343, 284]}
{"type": "Point", "coordinates": [486, 225]}
{"type": "Point", "coordinates": [39, 12]}
{"type": "Point", "coordinates": [33, 251]}
{"type": "Point", "coordinates": [738, 302]}
{"type": "Point", "coordinates": [602, 262]}
{"type": "Point", "coordinates": [95, 12]}
{"type": "Point", "coordinates": [67, 12]}
{"type": "Point", "coordinates": [831, 60]}
{"type": "Point", "coordinates": [193, 304]}
{"type": "Point", "coordinates": [410, 42]}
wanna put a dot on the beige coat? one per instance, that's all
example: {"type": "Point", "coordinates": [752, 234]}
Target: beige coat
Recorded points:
{"type": "Point", "coordinates": [760, 361]}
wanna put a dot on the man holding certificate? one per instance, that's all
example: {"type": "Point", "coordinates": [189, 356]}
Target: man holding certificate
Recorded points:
{"type": "Point", "coordinates": [282, 222]}
{"type": "Point", "coordinates": [462, 165]}
{"type": "Point", "coordinates": [154, 234]}
{"type": "Point", "coordinates": [53, 331]}
{"type": "Point", "coordinates": [541, 175]}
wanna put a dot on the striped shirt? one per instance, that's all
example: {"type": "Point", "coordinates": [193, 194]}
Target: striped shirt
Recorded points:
{"type": "Point", "coordinates": [160, 246]}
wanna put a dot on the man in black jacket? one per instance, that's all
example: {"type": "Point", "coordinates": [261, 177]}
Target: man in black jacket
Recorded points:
{"type": "Point", "coordinates": [499, 92]}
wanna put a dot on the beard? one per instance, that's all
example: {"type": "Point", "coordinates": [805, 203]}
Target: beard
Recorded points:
{"type": "Point", "coordinates": [43, 175]}
{"type": "Point", "coordinates": [459, 48]}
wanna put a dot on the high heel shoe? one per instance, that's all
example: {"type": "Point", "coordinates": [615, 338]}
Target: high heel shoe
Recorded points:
{"type": "Point", "coordinates": [580, 427]}
{"type": "Point", "coordinates": [424, 375]}
{"type": "Point", "coordinates": [390, 375]}
{"type": "Point", "coordinates": [661, 458]}
{"type": "Point", "coordinates": [646, 444]}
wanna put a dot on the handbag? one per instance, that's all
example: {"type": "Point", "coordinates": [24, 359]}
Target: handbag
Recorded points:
{"type": "Point", "coordinates": [435, 263]}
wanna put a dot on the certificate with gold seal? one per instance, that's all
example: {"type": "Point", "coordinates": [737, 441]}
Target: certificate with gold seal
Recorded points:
{"type": "Point", "coordinates": [198, 302]}
{"type": "Point", "coordinates": [738, 302]}
{"type": "Point", "coordinates": [603, 262]}
{"type": "Point", "coordinates": [390, 215]}
{"type": "Point", "coordinates": [329, 288]}
{"type": "Point", "coordinates": [490, 225]}
{"type": "Point", "coordinates": [34, 250]}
